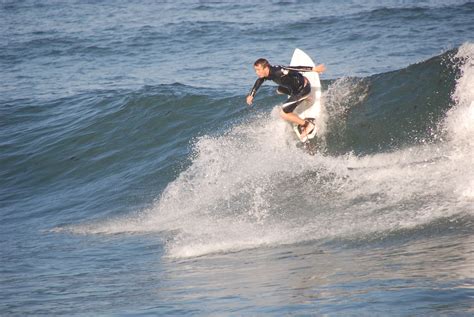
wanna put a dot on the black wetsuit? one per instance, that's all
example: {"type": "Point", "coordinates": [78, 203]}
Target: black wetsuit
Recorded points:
{"type": "Point", "coordinates": [290, 81]}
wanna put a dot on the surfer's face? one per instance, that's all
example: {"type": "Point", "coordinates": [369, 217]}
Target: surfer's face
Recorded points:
{"type": "Point", "coordinates": [261, 71]}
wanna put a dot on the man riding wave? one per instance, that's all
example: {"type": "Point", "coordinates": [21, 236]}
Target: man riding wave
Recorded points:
{"type": "Point", "coordinates": [291, 82]}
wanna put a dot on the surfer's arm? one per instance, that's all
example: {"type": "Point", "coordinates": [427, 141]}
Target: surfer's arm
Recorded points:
{"type": "Point", "coordinates": [255, 87]}
{"type": "Point", "coordinates": [318, 69]}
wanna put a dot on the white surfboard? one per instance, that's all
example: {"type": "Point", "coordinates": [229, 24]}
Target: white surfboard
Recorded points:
{"type": "Point", "coordinates": [310, 108]}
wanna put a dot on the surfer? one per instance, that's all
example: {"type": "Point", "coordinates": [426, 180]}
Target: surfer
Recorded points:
{"type": "Point", "coordinates": [290, 82]}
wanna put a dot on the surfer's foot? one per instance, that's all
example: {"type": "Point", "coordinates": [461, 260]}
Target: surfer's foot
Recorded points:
{"type": "Point", "coordinates": [308, 127]}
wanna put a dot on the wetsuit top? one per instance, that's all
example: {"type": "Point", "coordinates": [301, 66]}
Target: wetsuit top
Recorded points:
{"type": "Point", "coordinates": [285, 76]}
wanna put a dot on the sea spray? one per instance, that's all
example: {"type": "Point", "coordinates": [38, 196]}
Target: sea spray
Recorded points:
{"type": "Point", "coordinates": [459, 123]}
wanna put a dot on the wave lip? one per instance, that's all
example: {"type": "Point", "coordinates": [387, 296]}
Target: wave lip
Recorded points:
{"type": "Point", "coordinates": [459, 123]}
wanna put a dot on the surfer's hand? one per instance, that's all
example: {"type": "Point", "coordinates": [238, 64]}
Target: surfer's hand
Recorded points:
{"type": "Point", "coordinates": [319, 69]}
{"type": "Point", "coordinates": [249, 100]}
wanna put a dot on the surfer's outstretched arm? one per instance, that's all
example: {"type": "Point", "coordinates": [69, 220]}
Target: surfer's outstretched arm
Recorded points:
{"type": "Point", "coordinates": [317, 69]}
{"type": "Point", "coordinates": [255, 87]}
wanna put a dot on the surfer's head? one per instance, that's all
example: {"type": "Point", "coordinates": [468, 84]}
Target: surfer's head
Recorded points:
{"type": "Point", "coordinates": [262, 67]}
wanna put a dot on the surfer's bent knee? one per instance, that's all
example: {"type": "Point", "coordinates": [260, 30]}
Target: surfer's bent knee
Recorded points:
{"type": "Point", "coordinates": [295, 100]}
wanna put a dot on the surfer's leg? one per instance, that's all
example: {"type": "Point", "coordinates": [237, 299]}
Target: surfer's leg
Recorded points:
{"type": "Point", "coordinates": [286, 111]}
{"type": "Point", "coordinates": [292, 117]}
{"type": "Point", "coordinates": [292, 103]}
{"type": "Point", "coordinates": [287, 108]}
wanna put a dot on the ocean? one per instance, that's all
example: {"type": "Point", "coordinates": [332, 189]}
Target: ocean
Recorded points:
{"type": "Point", "coordinates": [135, 180]}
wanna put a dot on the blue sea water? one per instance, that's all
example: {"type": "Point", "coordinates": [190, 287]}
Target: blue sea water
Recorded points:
{"type": "Point", "coordinates": [134, 180]}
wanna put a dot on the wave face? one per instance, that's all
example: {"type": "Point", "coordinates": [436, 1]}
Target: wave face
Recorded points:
{"type": "Point", "coordinates": [395, 156]}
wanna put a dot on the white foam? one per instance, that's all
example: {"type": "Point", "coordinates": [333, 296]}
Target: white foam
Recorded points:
{"type": "Point", "coordinates": [459, 123]}
{"type": "Point", "coordinates": [460, 120]}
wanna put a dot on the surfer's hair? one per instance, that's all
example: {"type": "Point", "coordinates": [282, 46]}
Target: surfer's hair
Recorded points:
{"type": "Point", "coordinates": [262, 62]}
